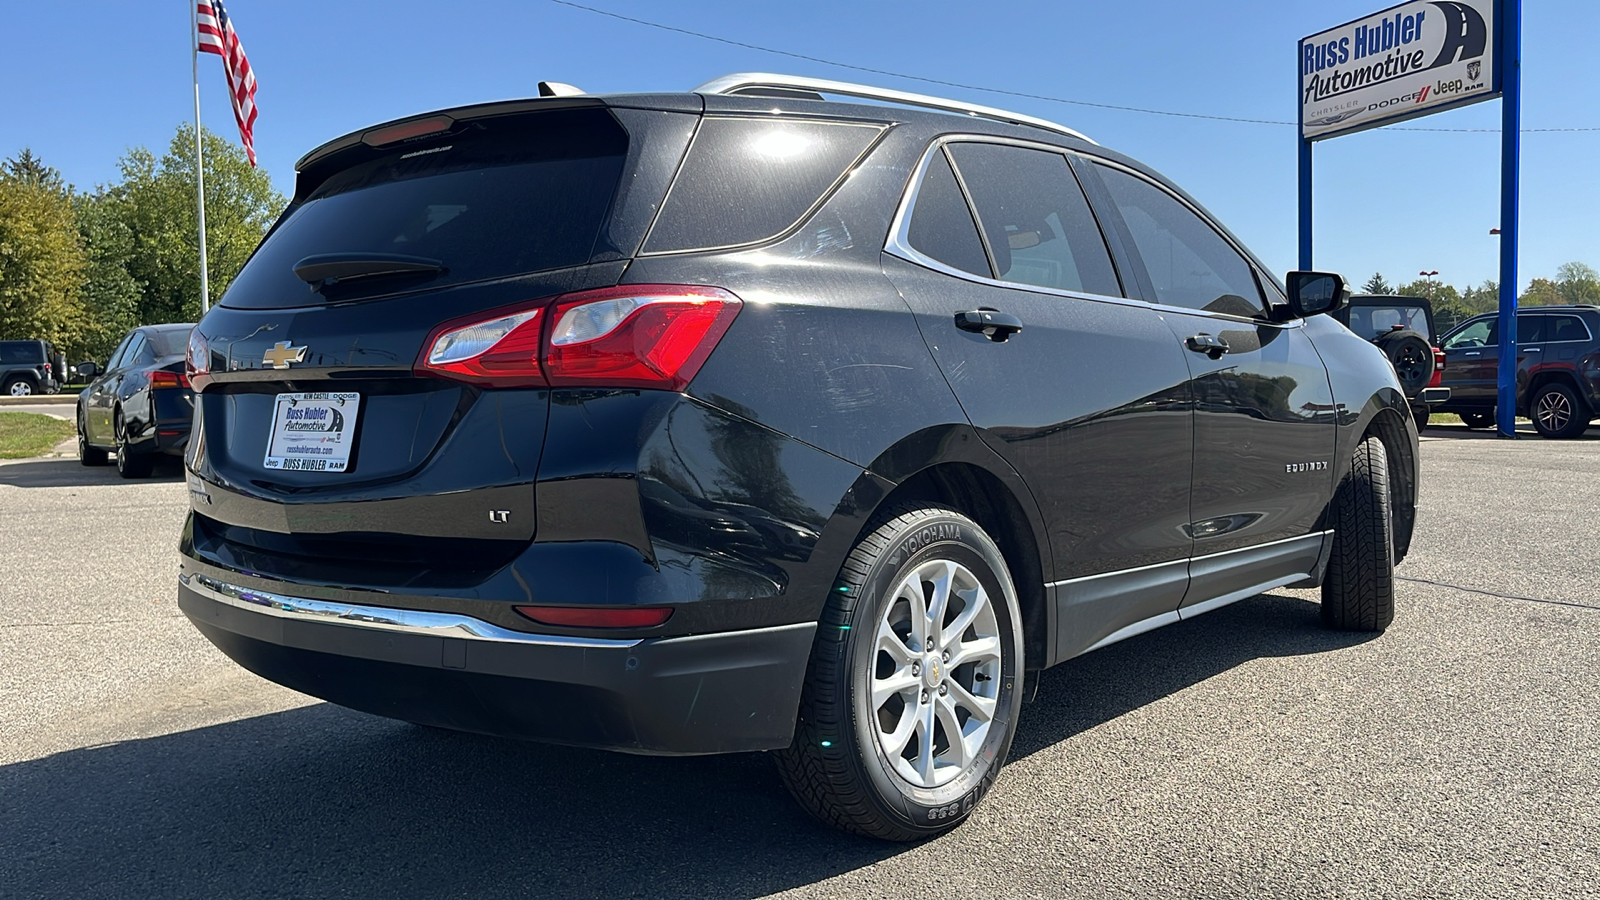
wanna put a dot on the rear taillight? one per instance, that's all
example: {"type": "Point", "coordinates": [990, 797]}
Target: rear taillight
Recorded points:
{"type": "Point", "coordinates": [643, 336]}
{"type": "Point", "coordinates": [164, 379]}
{"type": "Point", "coordinates": [501, 352]}
{"type": "Point", "coordinates": [197, 358]}
{"type": "Point", "coordinates": [597, 617]}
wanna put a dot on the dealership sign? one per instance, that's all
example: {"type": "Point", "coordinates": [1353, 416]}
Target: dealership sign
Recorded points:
{"type": "Point", "coordinates": [1407, 61]}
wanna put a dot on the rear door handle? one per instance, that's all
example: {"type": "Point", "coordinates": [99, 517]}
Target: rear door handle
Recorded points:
{"type": "Point", "coordinates": [991, 323]}
{"type": "Point", "coordinates": [1473, 353]}
{"type": "Point", "coordinates": [1210, 345]}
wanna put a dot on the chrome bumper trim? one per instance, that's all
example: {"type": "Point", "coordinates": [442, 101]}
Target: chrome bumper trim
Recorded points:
{"type": "Point", "coordinates": [410, 621]}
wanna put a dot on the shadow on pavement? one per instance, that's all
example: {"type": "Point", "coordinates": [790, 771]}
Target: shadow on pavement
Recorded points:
{"type": "Point", "coordinates": [49, 473]}
{"type": "Point", "coordinates": [320, 801]}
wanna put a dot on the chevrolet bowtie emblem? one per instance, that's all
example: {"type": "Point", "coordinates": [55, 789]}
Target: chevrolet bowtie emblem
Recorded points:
{"type": "Point", "coordinates": [281, 355]}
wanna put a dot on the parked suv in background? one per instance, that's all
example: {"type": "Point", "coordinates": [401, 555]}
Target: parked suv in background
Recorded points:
{"type": "Point", "coordinates": [140, 406]}
{"type": "Point", "coordinates": [744, 420]}
{"type": "Point", "coordinates": [30, 367]}
{"type": "Point", "coordinates": [1558, 368]}
{"type": "Point", "coordinates": [1402, 327]}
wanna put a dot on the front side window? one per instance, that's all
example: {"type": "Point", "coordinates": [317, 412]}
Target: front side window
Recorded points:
{"type": "Point", "coordinates": [1035, 218]}
{"type": "Point", "coordinates": [1189, 263]}
{"type": "Point", "coordinates": [1475, 334]}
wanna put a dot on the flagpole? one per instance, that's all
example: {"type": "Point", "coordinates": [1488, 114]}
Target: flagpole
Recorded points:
{"type": "Point", "coordinates": [199, 159]}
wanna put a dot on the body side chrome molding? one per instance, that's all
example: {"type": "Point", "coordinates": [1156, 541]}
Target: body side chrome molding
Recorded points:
{"type": "Point", "coordinates": [382, 618]}
{"type": "Point", "coordinates": [1193, 559]}
{"type": "Point", "coordinates": [739, 83]}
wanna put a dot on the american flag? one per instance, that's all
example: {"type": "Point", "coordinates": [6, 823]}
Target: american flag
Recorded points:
{"type": "Point", "coordinates": [217, 36]}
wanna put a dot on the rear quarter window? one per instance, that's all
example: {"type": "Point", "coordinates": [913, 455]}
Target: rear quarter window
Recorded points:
{"type": "Point", "coordinates": [496, 198]}
{"type": "Point", "coordinates": [748, 180]}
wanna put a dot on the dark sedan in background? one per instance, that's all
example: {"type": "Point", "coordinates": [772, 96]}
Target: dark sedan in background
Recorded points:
{"type": "Point", "coordinates": [140, 406]}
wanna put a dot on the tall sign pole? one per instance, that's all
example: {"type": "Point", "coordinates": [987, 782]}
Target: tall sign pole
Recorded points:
{"type": "Point", "coordinates": [199, 157]}
{"type": "Point", "coordinates": [1414, 59]}
{"type": "Point", "coordinates": [1510, 150]}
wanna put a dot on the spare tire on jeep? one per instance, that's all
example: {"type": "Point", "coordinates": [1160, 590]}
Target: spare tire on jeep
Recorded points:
{"type": "Point", "coordinates": [1412, 357]}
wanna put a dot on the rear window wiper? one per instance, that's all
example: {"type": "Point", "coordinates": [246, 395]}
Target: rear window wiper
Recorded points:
{"type": "Point", "coordinates": [324, 269]}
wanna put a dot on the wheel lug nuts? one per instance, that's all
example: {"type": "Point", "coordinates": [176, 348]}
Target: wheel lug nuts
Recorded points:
{"type": "Point", "coordinates": [944, 689]}
{"type": "Point", "coordinates": [947, 657]}
{"type": "Point", "coordinates": [923, 696]}
{"type": "Point", "coordinates": [930, 643]}
{"type": "Point", "coordinates": [916, 668]}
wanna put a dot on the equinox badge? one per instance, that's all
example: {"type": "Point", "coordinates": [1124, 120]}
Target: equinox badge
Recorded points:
{"type": "Point", "coordinates": [282, 355]}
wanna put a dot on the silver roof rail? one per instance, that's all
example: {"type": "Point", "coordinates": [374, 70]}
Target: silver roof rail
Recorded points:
{"type": "Point", "coordinates": [753, 82]}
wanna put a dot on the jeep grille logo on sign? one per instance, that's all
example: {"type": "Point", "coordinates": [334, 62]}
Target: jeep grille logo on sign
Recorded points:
{"type": "Point", "coordinates": [1407, 61]}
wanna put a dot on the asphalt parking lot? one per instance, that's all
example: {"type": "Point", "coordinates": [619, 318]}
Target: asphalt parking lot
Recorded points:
{"type": "Point", "coordinates": [1245, 753]}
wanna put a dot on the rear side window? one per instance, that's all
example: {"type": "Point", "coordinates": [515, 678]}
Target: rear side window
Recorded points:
{"type": "Point", "coordinates": [19, 353]}
{"type": "Point", "coordinates": [1565, 328]}
{"type": "Point", "coordinates": [1189, 263]}
{"type": "Point", "coordinates": [499, 197]}
{"type": "Point", "coordinates": [941, 223]}
{"type": "Point", "coordinates": [750, 180]}
{"type": "Point", "coordinates": [1036, 219]}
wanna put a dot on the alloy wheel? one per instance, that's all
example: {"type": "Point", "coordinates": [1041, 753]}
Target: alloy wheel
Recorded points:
{"type": "Point", "coordinates": [21, 389]}
{"type": "Point", "coordinates": [1554, 411]}
{"type": "Point", "coordinates": [935, 679]}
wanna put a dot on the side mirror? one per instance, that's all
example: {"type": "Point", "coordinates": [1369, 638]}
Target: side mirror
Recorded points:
{"type": "Point", "coordinates": [87, 369]}
{"type": "Point", "coordinates": [1314, 293]}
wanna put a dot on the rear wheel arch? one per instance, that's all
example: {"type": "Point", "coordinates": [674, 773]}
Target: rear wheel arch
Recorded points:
{"type": "Point", "coordinates": [987, 499]}
{"type": "Point", "coordinates": [1544, 378]}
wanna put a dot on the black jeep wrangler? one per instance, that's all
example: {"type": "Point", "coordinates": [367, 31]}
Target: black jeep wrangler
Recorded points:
{"type": "Point", "coordinates": [1402, 327]}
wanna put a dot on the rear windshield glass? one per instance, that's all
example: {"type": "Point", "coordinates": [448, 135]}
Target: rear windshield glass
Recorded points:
{"type": "Point", "coordinates": [496, 198]}
{"type": "Point", "coordinates": [1373, 321]}
{"type": "Point", "coordinates": [748, 180]}
{"type": "Point", "coordinates": [169, 342]}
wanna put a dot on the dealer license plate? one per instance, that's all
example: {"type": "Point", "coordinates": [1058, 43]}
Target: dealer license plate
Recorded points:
{"type": "Point", "coordinates": [313, 432]}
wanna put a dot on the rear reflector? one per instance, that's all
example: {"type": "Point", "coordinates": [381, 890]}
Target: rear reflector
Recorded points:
{"type": "Point", "coordinates": [633, 336]}
{"type": "Point", "coordinates": [597, 617]}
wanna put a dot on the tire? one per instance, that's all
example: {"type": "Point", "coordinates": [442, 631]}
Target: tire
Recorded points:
{"type": "Point", "coordinates": [88, 455]}
{"type": "Point", "coordinates": [1412, 358]}
{"type": "Point", "coordinates": [18, 386]}
{"type": "Point", "coordinates": [843, 765]}
{"type": "Point", "coordinates": [1477, 419]}
{"type": "Point", "coordinates": [1558, 412]}
{"type": "Point", "coordinates": [1358, 590]}
{"type": "Point", "coordinates": [129, 464]}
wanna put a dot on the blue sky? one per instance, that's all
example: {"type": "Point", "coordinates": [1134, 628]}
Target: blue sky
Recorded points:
{"type": "Point", "coordinates": [1389, 201]}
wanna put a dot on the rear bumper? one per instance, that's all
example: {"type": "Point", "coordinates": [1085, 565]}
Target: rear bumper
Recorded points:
{"type": "Point", "coordinates": [713, 693]}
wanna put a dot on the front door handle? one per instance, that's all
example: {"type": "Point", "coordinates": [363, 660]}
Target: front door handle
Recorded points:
{"type": "Point", "coordinates": [991, 323]}
{"type": "Point", "coordinates": [1210, 345]}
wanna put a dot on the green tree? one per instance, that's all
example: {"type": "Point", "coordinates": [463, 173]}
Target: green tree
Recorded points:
{"type": "Point", "coordinates": [1443, 296]}
{"type": "Point", "coordinates": [156, 201]}
{"type": "Point", "coordinates": [30, 169]}
{"type": "Point", "coordinates": [1542, 292]}
{"type": "Point", "coordinates": [41, 259]}
{"type": "Point", "coordinates": [110, 296]}
{"type": "Point", "coordinates": [1578, 283]}
{"type": "Point", "coordinates": [1376, 285]}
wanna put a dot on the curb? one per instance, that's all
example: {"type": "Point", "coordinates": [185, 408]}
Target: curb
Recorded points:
{"type": "Point", "coordinates": [39, 399]}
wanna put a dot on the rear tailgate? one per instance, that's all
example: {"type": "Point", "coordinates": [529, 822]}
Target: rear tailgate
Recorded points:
{"type": "Point", "coordinates": [417, 470]}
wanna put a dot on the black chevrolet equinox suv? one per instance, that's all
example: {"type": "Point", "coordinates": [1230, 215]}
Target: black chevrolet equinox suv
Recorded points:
{"type": "Point", "coordinates": [743, 419]}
